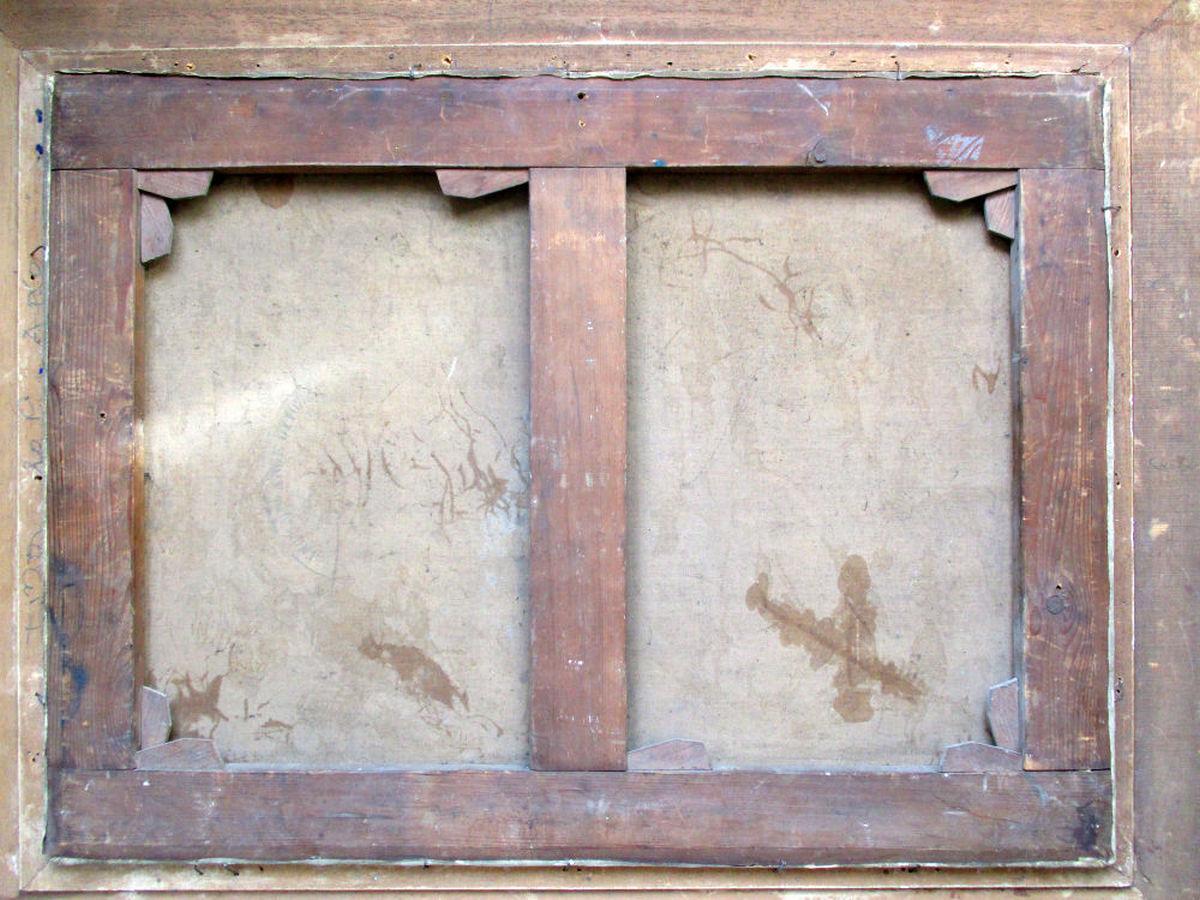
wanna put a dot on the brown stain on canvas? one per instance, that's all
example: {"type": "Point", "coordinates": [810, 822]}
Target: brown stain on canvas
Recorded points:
{"type": "Point", "coordinates": [194, 703]}
{"type": "Point", "coordinates": [277, 728]}
{"type": "Point", "coordinates": [847, 637]}
{"type": "Point", "coordinates": [989, 379]}
{"type": "Point", "coordinates": [467, 485]}
{"type": "Point", "coordinates": [275, 190]}
{"type": "Point", "coordinates": [472, 475]}
{"type": "Point", "coordinates": [798, 302]}
{"type": "Point", "coordinates": [420, 674]}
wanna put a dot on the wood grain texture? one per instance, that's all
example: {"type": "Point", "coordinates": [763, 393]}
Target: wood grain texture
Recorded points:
{"type": "Point", "coordinates": [472, 183]}
{"type": "Point", "coordinates": [965, 185]}
{"type": "Point", "coordinates": [10, 456]}
{"type": "Point", "coordinates": [695, 59]}
{"type": "Point", "coordinates": [1165, 111]}
{"type": "Point", "coordinates": [156, 122]}
{"type": "Point", "coordinates": [577, 460]}
{"type": "Point", "coordinates": [1062, 260]}
{"type": "Point", "coordinates": [157, 232]}
{"type": "Point", "coordinates": [723, 818]}
{"type": "Point", "coordinates": [1000, 213]}
{"type": "Point", "coordinates": [175, 185]}
{"type": "Point", "coordinates": [138, 24]}
{"type": "Point", "coordinates": [93, 299]}
{"type": "Point", "coordinates": [1120, 327]}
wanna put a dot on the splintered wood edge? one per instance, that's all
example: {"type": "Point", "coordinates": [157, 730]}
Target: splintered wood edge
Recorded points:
{"type": "Point", "coordinates": [959, 184]}
{"type": "Point", "coordinates": [175, 185]}
{"type": "Point", "coordinates": [673, 755]}
{"type": "Point", "coordinates": [155, 718]}
{"type": "Point", "coordinates": [1003, 715]}
{"type": "Point", "coordinates": [973, 756]}
{"type": "Point", "coordinates": [157, 230]}
{"type": "Point", "coordinates": [1000, 213]}
{"type": "Point", "coordinates": [182, 755]}
{"type": "Point", "coordinates": [473, 183]}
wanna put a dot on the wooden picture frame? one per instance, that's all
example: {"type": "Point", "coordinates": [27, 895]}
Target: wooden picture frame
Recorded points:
{"type": "Point", "coordinates": [1143, 52]}
{"type": "Point", "coordinates": [1042, 795]}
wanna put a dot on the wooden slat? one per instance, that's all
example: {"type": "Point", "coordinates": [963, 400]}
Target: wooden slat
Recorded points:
{"type": "Point", "coordinates": [12, 460]}
{"type": "Point", "coordinates": [156, 122]}
{"type": "Point", "coordinates": [1062, 259]}
{"type": "Point", "coordinates": [94, 294]}
{"type": "Point", "coordinates": [1166, 421]}
{"type": "Point", "coordinates": [577, 458]}
{"type": "Point", "coordinates": [684, 58]}
{"type": "Point", "coordinates": [720, 818]}
{"type": "Point", "coordinates": [154, 24]}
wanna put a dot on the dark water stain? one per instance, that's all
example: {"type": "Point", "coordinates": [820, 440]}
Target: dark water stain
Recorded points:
{"type": "Point", "coordinates": [274, 190]}
{"type": "Point", "coordinates": [847, 637]}
{"type": "Point", "coordinates": [194, 703]}
{"type": "Point", "coordinates": [78, 681]}
{"type": "Point", "coordinates": [420, 675]}
{"type": "Point", "coordinates": [1090, 825]}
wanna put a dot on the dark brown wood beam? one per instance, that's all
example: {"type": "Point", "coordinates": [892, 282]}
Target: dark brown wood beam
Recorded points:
{"type": "Point", "coordinates": [577, 458]}
{"type": "Point", "coordinates": [1061, 257]}
{"type": "Point", "coordinates": [94, 296]}
{"type": "Point", "coordinates": [719, 818]}
{"type": "Point", "coordinates": [180, 123]}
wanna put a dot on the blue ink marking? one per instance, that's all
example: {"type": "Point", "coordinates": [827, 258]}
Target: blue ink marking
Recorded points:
{"type": "Point", "coordinates": [38, 113]}
{"type": "Point", "coordinates": [79, 675]}
{"type": "Point", "coordinates": [659, 163]}
{"type": "Point", "coordinates": [40, 370]}
{"type": "Point", "coordinates": [40, 149]}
